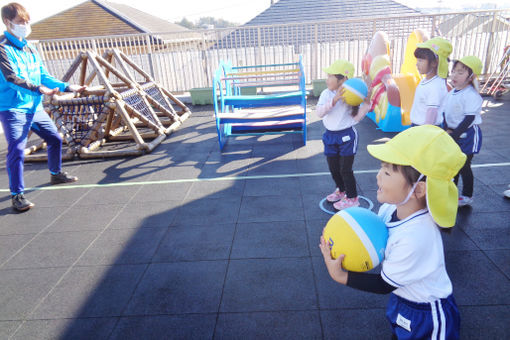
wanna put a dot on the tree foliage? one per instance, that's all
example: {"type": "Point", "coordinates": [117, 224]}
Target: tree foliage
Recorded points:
{"type": "Point", "coordinates": [206, 22]}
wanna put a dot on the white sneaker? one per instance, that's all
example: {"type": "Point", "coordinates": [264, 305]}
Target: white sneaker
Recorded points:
{"type": "Point", "coordinates": [464, 200]}
{"type": "Point", "coordinates": [506, 193]}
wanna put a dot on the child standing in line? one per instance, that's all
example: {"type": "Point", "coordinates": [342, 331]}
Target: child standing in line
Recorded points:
{"type": "Point", "coordinates": [418, 194]}
{"type": "Point", "coordinates": [432, 61]}
{"type": "Point", "coordinates": [461, 110]}
{"type": "Point", "coordinates": [341, 138]}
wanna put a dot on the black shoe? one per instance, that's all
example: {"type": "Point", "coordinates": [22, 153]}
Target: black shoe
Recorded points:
{"type": "Point", "coordinates": [62, 177]}
{"type": "Point", "coordinates": [20, 203]}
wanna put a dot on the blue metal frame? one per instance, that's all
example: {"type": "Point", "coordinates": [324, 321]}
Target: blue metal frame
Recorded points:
{"type": "Point", "coordinates": [228, 98]}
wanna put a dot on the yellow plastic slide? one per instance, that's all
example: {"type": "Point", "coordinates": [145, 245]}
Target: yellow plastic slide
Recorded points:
{"type": "Point", "coordinates": [409, 77]}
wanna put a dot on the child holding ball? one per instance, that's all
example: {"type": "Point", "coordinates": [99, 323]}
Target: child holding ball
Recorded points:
{"type": "Point", "coordinates": [431, 61]}
{"type": "Point", "coordinates": [461, 110]}
{"type": "Point", "coordinates": [341, 138]}
{"type": "Point", "coordinates": [418, 195]}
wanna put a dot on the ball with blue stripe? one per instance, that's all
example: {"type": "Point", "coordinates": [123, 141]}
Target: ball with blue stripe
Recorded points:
{"type": "Point", "coordinates": [355, 91]}
{"type": "Point", "coordinates": [359, 234]}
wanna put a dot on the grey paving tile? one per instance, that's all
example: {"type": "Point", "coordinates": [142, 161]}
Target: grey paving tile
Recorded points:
{"type": "Point", "coordinates": [177, 288]}
{"type": "Point", "coordinates": [60, 197]}
{"type": "Point", "coordinates": [162, 192]}
{"type": "Point", "coordinates": [123, 246]}
{"type": "Point", "coordinates": [217, 189]}
{"type": "Point", "coordinates": [476, 280]}
{"type": "Point", "coordinates": [321, 185]}
{"type": "Point", "coordinates": [367, 181]}
{"type": "Point", "coordinates": [274, 208]}
{"type": "Point", "coordinates": [157, 327]}
{"type": "Point", "coordinates": [314, 229]}
{"type": "Point", "coordinates": [269, 325]}
{"type": "Point", "coordinates": [146, 215]}
{"type": "Point", "coordinates": [109, 195]}
{"type": "Point", "coordinates": [273, 186]}
{"type": "Point", "coordinates": [269, 285]}
{"type": "Point", "coordinates": [273, 167]}
{"type": "Point", "coordinates": [195, 243]}
{"type": "Point", "coordinates": [312, 207]}
{"type": "Point", "coordinates": [7, 328]}
{"type": "Point", "coordinates": [484, 322]}
{"type": "Point", "coordinates": [236, 167]}
{"type": "Point", "coordinates": [5, 203]}
{"type": "Point", "coordinates": [178, 171]}
{"type": "Point", "coordinates": [21, 290]}
{"type": "Point", "coordinates": [208, 211]}
{"type": "Point", "coordinates": [52, 250]}
{"type": "Point", "coordinates": [456, 239]}
{"type": "Point", "coordinates": [10, 244]}
{"type": "Point", "coordinates": [89, 328]}
{"type": "Point", "coordinates": [491, 175]}
{"type": "Point", "coordinates": [270, 240]}
{"type": "Point", "coordinates": [486, 230]}
{"type": "Point", "coordinates": [501, 259]}
{"type": "Point", "coordinates": [333, 295]}
{"type": "Point", "coordinates": [91, 292]}
{"type": "Point", "coordinates": [85, 217]}
{"type": "Point", "coordinates": [361, 323]}
{"type": "Point", "coordinates": [29, 222]}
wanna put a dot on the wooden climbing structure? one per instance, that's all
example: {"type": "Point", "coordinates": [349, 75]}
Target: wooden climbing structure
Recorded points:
{"type": "Point", "coordinates": [127, 114]}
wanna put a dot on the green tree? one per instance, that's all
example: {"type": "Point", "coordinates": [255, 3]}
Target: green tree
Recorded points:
{"type": "Point", "coordinates": [186, 23]}
{"type": "Point", "coordinates": [205, 22]}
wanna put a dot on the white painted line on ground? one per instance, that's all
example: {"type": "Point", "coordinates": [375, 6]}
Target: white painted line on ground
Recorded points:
{"type": "Point", "coordinates": [212, 179]}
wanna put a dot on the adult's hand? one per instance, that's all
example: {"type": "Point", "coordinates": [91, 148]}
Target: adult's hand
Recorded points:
{"type": "Point", "coordinates": [47, 91]}
{"type": "Point", "coordinates": [76, 88]}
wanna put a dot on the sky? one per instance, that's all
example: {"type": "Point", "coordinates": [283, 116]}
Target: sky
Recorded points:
{"type": "Point", "coordinates": [237, 11]}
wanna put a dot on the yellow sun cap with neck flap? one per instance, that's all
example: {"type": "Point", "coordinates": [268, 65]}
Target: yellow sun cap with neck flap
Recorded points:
{"type": "Point", "coordinates": [432, 152]}
{"type": "Point", "coordinates": [341, 66]}
{"type": "Point", "coordinates": [442, 48]}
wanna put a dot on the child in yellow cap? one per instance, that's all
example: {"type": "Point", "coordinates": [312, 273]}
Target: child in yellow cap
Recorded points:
{"type": "Point", "coordinates": [341, 138]}
{"type": "Point", "coordinates": [461, 110]}
{"type": "Point", "coordinates": [417, 192]}
{"type": "Point", "coordinates": [431, 61]}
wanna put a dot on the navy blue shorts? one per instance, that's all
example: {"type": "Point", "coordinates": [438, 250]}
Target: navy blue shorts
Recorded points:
{"type": "Point", "coordinates": [412, 320]}
{"type": "Point", "coordinates": [340, 143]}
{"type": "Point", "coordinates": [470, 142]}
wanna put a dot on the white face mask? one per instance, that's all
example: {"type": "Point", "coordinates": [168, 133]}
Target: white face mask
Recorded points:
{"type": "Point", "coordinates": [21, 31]}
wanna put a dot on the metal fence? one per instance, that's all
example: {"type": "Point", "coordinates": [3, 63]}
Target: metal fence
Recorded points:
{"type": "Point", "coordinates": [181, 61]}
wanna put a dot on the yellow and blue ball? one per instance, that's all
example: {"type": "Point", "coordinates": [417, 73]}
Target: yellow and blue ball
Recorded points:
{"type": "Point", "coordinates": [359, 234]}
{"type": "Point", "coordinates": [355, 91]}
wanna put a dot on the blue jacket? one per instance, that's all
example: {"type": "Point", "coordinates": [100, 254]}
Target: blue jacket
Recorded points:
{"type": "Point", "coordinates": [21, 74]}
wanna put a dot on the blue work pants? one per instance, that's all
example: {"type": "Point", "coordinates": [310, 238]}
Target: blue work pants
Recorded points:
{"type": "Point", "coordinates": [16, 126]}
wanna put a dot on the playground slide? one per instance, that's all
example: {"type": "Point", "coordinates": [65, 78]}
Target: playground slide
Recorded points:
{"type": "Point", "coordinates": [392, 94]}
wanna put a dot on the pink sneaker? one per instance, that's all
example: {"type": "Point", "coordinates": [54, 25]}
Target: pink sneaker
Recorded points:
{"type": "Point", "coordinates": [336, 196]}
{"type": "Point", "coordinates": [346, 203]}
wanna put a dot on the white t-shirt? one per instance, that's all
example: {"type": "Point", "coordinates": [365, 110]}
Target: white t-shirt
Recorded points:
{"type": "Point", "coordinates": [459, 104]}
{"type": "Point", "coordinates": [334, 118]}
{"type": "Point", "coordinates": [414, 257]}
{"type": "Point", "coordinates": [429, 93]}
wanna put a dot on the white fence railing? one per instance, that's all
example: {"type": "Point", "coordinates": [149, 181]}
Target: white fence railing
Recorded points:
{"type": "Point", "coordinates": [181, 61]}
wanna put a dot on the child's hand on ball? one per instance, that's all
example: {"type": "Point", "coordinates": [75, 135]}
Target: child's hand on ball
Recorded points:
{"type": "Point", "coordinates": [334, 265]}
{"type": "Point", "coordinates": [338, 96]}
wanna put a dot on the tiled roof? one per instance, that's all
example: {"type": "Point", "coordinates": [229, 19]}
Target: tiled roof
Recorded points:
{"type": "Point", "coordinates": [99, 18]}
{"type": "Point", "coordinates": [295, 11]}
{"type": "Point", "coordinates": [307, 12]}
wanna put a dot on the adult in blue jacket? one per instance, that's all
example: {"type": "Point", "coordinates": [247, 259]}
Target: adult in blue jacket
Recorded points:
{"type": "Point", "coordinates": [23, 82]}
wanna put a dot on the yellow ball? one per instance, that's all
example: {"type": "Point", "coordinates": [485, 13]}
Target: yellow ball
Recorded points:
{"type": "Point", "coordinates": [354, 91]}
{"type": "Point", "coordinates": [360, 235]}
